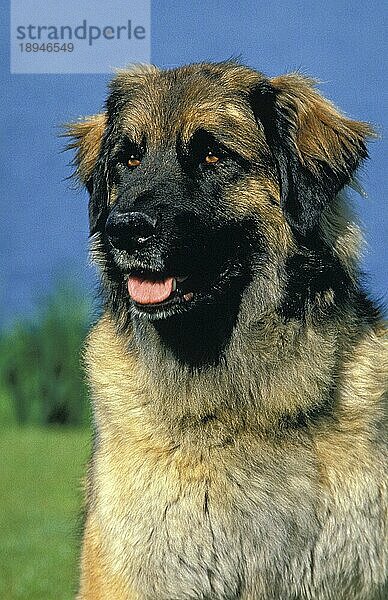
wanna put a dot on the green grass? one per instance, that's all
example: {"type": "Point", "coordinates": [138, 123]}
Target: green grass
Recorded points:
{"type": "Point", "coordinates": [41, 380]}
{"type": "Point", "coordinates": [40, 508]}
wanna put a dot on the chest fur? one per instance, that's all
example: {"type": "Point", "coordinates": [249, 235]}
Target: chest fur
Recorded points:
{"type": "Point", "coordinates": [175, 526]}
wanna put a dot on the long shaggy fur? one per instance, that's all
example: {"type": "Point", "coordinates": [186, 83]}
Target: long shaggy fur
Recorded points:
{"type": "Point", "coordinates": [240, 449]}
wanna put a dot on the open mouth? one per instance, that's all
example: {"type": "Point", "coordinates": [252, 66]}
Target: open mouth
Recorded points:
{"type": "Point", "coordinates": [152, 291]}
{"type": "Point", "coordinates": [158, 294]}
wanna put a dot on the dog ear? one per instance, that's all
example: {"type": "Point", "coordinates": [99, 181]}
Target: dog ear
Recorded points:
{"type": "Point", "coordinates": [316, 148]}
{"type": "Point", "coordinates": [86, 138]}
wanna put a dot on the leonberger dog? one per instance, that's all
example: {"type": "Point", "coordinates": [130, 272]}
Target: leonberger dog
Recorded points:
{"type": "Point", "coordinates": [238, 371]}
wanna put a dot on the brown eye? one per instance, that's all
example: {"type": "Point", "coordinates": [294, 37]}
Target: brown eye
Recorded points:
{"type": "Point", "coordinates": [133, 161]}
{"type": "Point", "coordinates": [211, 159]}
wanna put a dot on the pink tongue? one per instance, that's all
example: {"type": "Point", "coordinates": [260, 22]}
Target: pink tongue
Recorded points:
{"type": "Point", "coordinates": [150, 292]}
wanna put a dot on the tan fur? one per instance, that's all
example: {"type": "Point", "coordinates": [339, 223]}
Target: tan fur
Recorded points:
{"type": "Point", "coordinates": [257, 478]}
{"type": "Point", "coordinates": [155, 452]}
{"type": "Point", "coordinates": [321, 132]}
{"type": "Point", "coordinates": [87, 136]}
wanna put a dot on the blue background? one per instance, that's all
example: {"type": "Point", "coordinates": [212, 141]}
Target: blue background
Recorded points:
{"type": "Point", "coordinates": [44, 222]}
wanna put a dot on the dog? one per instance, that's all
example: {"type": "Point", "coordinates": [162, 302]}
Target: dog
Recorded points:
{"type": "Point", "coordinates": [239, 369]}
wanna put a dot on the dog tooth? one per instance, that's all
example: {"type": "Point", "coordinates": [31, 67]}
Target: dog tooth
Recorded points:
{"type": "Point", "coordinates": [174, 284]}
{"type": "Point", "coordinates": [188, 296]}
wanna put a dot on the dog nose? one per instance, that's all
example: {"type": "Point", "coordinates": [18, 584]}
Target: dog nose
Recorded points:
{"type": "Point", "coordinates": [127, 230]}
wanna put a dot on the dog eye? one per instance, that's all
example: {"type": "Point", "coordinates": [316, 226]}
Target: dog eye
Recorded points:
{"type": "Point", "coordinates": [133, 161]}
{"type": "Point", "coordinates": [211, 159]}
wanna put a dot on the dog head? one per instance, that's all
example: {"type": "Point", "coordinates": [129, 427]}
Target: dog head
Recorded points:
{"type": "Point", "coordinates": [201, 177]}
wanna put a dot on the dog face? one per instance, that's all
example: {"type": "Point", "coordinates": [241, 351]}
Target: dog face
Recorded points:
{"type": "Point", "coordinates": [207, 177]}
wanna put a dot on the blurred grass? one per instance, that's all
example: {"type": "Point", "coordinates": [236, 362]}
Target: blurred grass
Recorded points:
{"type": "Point", "coordinates": [41, 380]}
{"type": "Point", "coordinates": [41, 467]}
{"type": "Point", "coordinates": [40, 507]}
